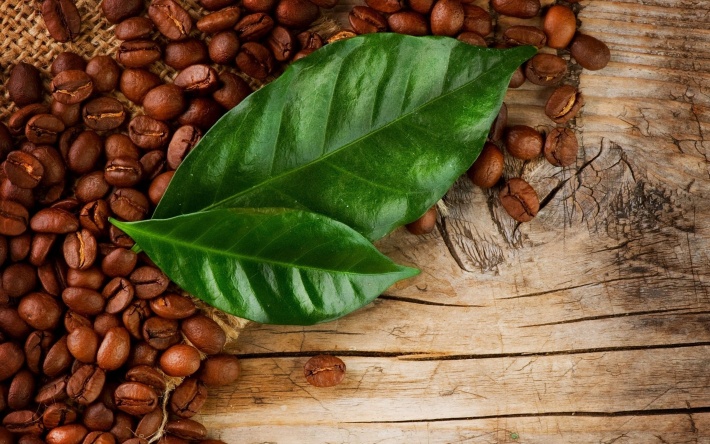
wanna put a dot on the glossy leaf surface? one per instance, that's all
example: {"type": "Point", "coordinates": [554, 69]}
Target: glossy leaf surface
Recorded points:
{"type": "Point", "coordinates": [268, 265]}
{"type": "Point", "coordinates": [370, 131]}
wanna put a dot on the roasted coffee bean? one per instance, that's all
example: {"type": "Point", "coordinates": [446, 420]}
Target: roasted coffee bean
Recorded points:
{"type": "Point", "coordinates": [180, 55]}
{"type": "Point", "coordinates": [18, 247]}
{"type": "Point", "coordinates": [213, 5]}
{"type": "Point", "coordinates": [30, 439]}
{"type": "Point", "coordinates": [135, 84]}
{"type": "Point", "coordinates": [84, 301]}
{"type": "Point", "coordinates": [129, 204]}
{"type": "Point", "coordinates": [388, 6]}
{"type": "Point", "coordinates": [23, 169]}
{"type": "Point", "coordinates": [234, 90]}
{"type": "Point", "coordinates": [67, 434]}
{"type": "Point", "coordinates": [62, 19]}
{"type": "Point", "coordinates": [219, 370]}
{"type": "Point", "coordinates": [52, 392]}
{"type": "Point", "coordinates": [447, 17]}
{"type": "Point", "coordinates": [282, 44]}
{"type": "Point", "coordinates": [148, 133]}
{"type": "Point", "coordinates": [123, 427]}
{"type": "Point", "coordinates": [72, 86]}
{"type": "Point", "coordinates": [40, 248]}
{"type": "Point", "coordinates": [134, 316]}
{"type": "Point", "coordinates": [120, 239]}
{"type": "Point", "coordinates": [40, 311]}
{"type": "Point", "coordinates": [324, 371]}
{"type": "Point", "coordinates": [561, 147]}
{"type": "Point", "coordinates": [18, 120]}
{"type": "Point", "coordinates": [54, 220]}
{"type": "Point", "coordinates": [104, 72]}
{"type": "Point", "coordinates": [255, 60]}
{"type": "Point", "coordinates": [24, 84]}
{"type": "Point", "coordinates": [421, 6]}
{"type": "Point", "coordinates": [164, 102]}
{"type": "Point", "coordinates": [477, 19]}
{"type": "Point", "coordinates": [425, 224]}
{"type": "Point", "coordinates": [204, 112]}
{"type": "Point", "coordinates": [58, 414]}
{"type": "Point", "coordinates": [12, 357]}
{"type": "Point", "coordinates": [184, 140]}
{"type": "Point", "coordinates": [564, 104]}
{"type": "Point", "coordinates": [408, 22]}
{"type": "Point", "coordinates": [473, 39]}
{"type": "Point", "coordinates": [487, 170]}
{"type": "Point", "coordinates": [296, 13]}
{"type": "Point", "coordinates": [91, 278]}
{"type": "Point", "coordinates": [114, 349]}
{"type": "Point", "coordinates": [120, 145]}
{"type": "Point", "coordinates": [147, 375]}
{"type": "Point", "coordinates": [58, 359]}
{"type": "Point", "coordinates": [119, 263]}
{"type": "Point", "coordinates": [67, 60]}
{"type": "Point", "coordinates": [117, 10]}
{"type": "Point", "coordinates": [123, 172]}
{"type": "Point", "coordinates": [138, 53]}
{"type": "Point", "coordinates": [186, 429]}
{"type": "Point", "coordinates": [559, 25]}
{"type": "Point", "coordinates": [523, 142]}
{"type": "Point", "coordinates": [12, 324]}
{"type": "Point", "coordinates": [518, 78]}
{"type": "Point", "coordinates": [23, 421]}
{"type": "Point", "coordinates": [517, 8]}
{"type": "Point", "coordinates": [89, 188]}
{"type": "Point", "coordinates": [221, 20]}
{"type": "Point", "coordinates": [200, 79]}
{"type": "Point", "coordinates": [161, 333]}
{"type": "Point", "coordinates": [180, 360]}
{"type": "Point", "coordinates": [85, 385]}
{"type": "Point", "coordinates": [253, 27]}
{"type": "Point", "coordinates": [519, 200]}
{"type": "Point", "coordinates": [170, 19]}
{"type": "Point", "coordinates": [524, 35]}
{"type": "Point", "coordinates": [204, 333]}
{"type": "Point", "coordinates": [36, 347]}
{"type": "Point", "coordinates": [94, 216]}
{"type": "Point", "coordinates": [83, 343]}
{"type": "Point", "coordinates": [69, 114]}
{"type": "Point", "coordinates": [135, 398]}
{"type": "Point", "coordinates": [545, 69]}
{"type": "Point", "coordinates": [188, 398]}
{"type": "Point", "coordinates": [98, 417]}
{"type": "Point", "coordinates": [591, 53]}
{"type": "Point", "coordinates": [149, 424]}
{"type": "Point", "coordinates": [51, 277]}
{"type": "Point", "coordinates": [84, 152]}
{"type": "Point", "coordinates": [105, 322]}
{"type": "Point", "coordinates": [224, 47]}
{"type": "Point", "coordinates": [52, 165]}
{"type": "Point", "coordinates": [259, 5]}
{"type": "Point", "coordinates": [44, 129]}
{"type": "Point", "coordinates": [104, 114]}
{"type": "Point", "coordinates": [21, 390]}
{"type": "Point", "coordinates": [142, 354]}
{"type": "Point", "coordinates": [158, 186]}
{"type": "Point", "coordinates": [134, 28]}
{"type": "Point", "coordinates": [98, 437]}
{"type": "Point", "coordinates": [366, 20]}
{"type": "Point", "coordinates": [173, 306]}
{"type": "Point", "coordinates": [73, 320]}
{"type": "Point", "coordinates": [80, 249]}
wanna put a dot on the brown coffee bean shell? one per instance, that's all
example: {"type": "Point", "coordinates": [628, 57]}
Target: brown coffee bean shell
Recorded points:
{"type": "Point", "coordinates": [519, 200]}
{"type": "Point", "coordinates": [188, 398]}
{"type": "Point", "coordinates": [561, 147]}
{"type": "Point", "coordinates": [590, 52]}
{"type": "Point", "coordinates": [564, 104]}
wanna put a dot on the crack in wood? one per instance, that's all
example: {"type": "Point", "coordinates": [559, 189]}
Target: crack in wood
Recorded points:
{"type": "Point", "coordinates": [423, 302]}
{"type": "Point", "coordinates": [677, 311]}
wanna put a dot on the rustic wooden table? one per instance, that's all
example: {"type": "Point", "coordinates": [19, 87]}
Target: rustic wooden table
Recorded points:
{"type": "Point", "coordinates": [589, 324]}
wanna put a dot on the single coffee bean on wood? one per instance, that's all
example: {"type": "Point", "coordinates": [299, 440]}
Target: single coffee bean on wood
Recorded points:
{"type": "Point", "coordinates": [559, 25]}
{"type": "Point", "coordinates": [524, 35]}
{"type": "Point", "coordinates": [523, 142]}
{"type": "Point", "coordinates": [186, 429]}
{"type": "Point", "coordinates": [219, 370]}
{"type": "Point", "coordinates": [545, 69]}
{"type": "Point", "coordinates": [564, 104]}
{"type": "Point", "coordinates": [590, 52]}
{"type": "Point", "coordinates": [324, 371]}
{"type": "Point", "coordinates": [561, 147]}
{"type": "Point", "coordinates": [24, 84]}
{"type": "Point", "coordinates": [425, 224]}
{"type": "Point", "coordinates": [487, 170]}
{"type": "Point", "coordinates": [204, 333]}
{"type": "Point", "coordinates": [519, 200]}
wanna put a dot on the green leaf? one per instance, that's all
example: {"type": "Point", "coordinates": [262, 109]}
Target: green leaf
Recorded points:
{"type": "Point", "coordinates": [370, 131]}
{"type": "Point", "coordinates": [269, 265]}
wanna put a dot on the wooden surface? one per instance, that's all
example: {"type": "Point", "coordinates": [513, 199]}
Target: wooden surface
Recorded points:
{"type": "Point", "coordinates": [590, 324]}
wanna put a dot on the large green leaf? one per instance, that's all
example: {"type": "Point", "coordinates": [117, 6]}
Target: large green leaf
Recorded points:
{"type": "Point", "coordinates": [268, 265]}
{"type": "Point", "coordinates": [370, 131]}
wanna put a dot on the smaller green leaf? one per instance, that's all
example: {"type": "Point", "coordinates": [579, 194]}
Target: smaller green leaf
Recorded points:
{"type": "Point", "coordinates": [275, 266]}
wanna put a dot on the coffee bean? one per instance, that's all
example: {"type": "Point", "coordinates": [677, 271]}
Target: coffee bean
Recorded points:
{"type": "Point", "coordinates": [120, 145]}
{"type": "Point", "coordinates": [36, 347]}
{"type": "Point", "coordinates": [89, 188]}
{"type": "Point", "coordinates": [123, 172]}
{"type": "Point", "coordinates": [129, 204]}
{"type": "Point", "coordinates": [120, 262]}
{"type": "Point", "coordinates": [519, 200]}
{"type": "Point", "coordinates": [21, 390]}
{"type": "Point", "coordinates": [98, 417]}
{"type": "Point", "coordinates": [324, 371]}
{"type": "Point", "coordinates": [18, 120]}
{"type": "Point", "coordinates": [425, 224]}
{"type": "Point", "coordinates": [524, 35]}
{"type": "Point", "coordinates": [23, 170]}
{"type": "Point", "coordinates": [72, 86]}
{"type": "Point", "coordinates": [143, 354]}
{"type": "Point", "coordinates": [80, 249]}
{"type": "Point", "coordinates": [259, 5]}
{"type": "Point", "coordinates": [23, 421]}
{"type": "Point", "coordinates": [134, 28]}
{"type": "Point", "coordinates": [255, 60]}
{"type": "Point", "coordinates": [523, 142]}
{"type": "Point", "coordinates": [180, 360]}
{"type": "Point", "coordinates": [58, 359]}
{"type": "Point", "coordinates": [148, 133]}
{"type": "Point", "coordinates": [188, 398]}
{"type": "Point", "coordinates": [170, 19]}
{"type": "Point", "coordinates": [477, 19]}
{"type": "Point", "coordinates": [173, 306]}
{"type": "Point", "coordinates": [52, 165]}
{"type": "Point", "coordinates": [147, 375]}
{"type": "Point", "coordinates": [54, 220]}
{"type": "Point", "coordinates": [67, 60]}
{"type": "Point", "coordinates": [123, 427]}
{"type": "Point", "coordinates": [117, 10]}
{"type": "Point", "coordinates": [560, 25]}
{"type": "Point", "coordinates": [85, 385]}
{"type": "Point", "coordinates": [253, 27]}
{"type": "Point", "coordinates": [224, 47]}
{"type": "Point", "coordinates": [234, 90]}
{"type": "Point", "coordinates": [40, 247]}
{"type": "Point", "coordinates": [40, 311]}
{"type": "Point", "coordinates": [84, 301]}
{"type": "Point", "coordinates": [282, 44]}
{"type": "Point", "coordinates": [135, 398]}
{"type": "Point", "coordinates": [149, 425]}
{"type": "Point", "coordinates": [219, 370]}
{"type": "Point", "coordinates": [114, 349]}
{"type": "Point", "coordinates": [24, 84]}
{"type": "Point", "coordinates": [43, 129]}
{"type": "Point", "coordinates": [204, 333]}
{"type": "Point", "coordinates": [421, 6]}
{"type": "Point", "coordinates": [164, 102]}
{"type": "Point", "coordinates": [589, 52]}
{"type": "Point", "coordinates": [160, 333]}
{"type": "Point", "coordinates": [105, 322]}
{"type": "Point", "coordinates": [180, 55]}
{"type": "Point", "coordinates": [201, 79]}
{"type": "Point", "coordinates": [83, 344]}
{"type": "Point", "coordinates": [366, 20]}
{"type": "Point", "coordinates": [517, 8]}
{"type": "Point", "coordinates": [13, 218]}
{"type": "Point", "coordinates": [12, 358]}
{"type": "Point", "coordinates": [67, 434]}
{"type": "Point", "coordinates": [388, 6]}
{"type": "Point", "coordinates": [119, 238]}
{"type": "Point", "coordinates": [94, 216]}
{"type": "Point", "coordinates": [104, 114]}
{"type": "Point", "coordinates": [517, 79]}
{"type": "Point", "coordinates": [213, 5]}
{"type": "Point", "coordinates": [561, 147]}
{"type": "Point", "coordinates": [158, 186]}
{"type": "Point", "coordinates": [58, 414]}
{"type": "Point", "coordinates": [18, 247]}
{"type": "Point", "coordinates": [104, 72]}
{"type": "Point", "coordinates": [408, 22]}
{"type": "Point", "coordinates": [186, 429]}
{"type": "Point", "coordinates": [12, 324]}
{"type": "Point", "coordinates": [487, 170]}
{"type": "Point", "coordinates": [184, 140]}
{"type": "Point", "coordinates": [447, 17]}
{"type": "Point", "coordinates": [296, 13]}
{"type": "Point", "coordinates": [91, 278]}
{"type": "Point", "coordinates": [62, 19]}
{"type": "Point", "coordinates": [138, 53]}
{"type": "Point", "coordinates": [98, 437]}
{"type": "Point", "coordinates": [473, 39]}
{"type": "Point", "coordinates": [134, 316]}
{"type": "Point", "coordinates": [135, 84]}
{"type": "Point", "coordinates": [564, 104]}
{"type": "Point", "coordinates": [204, 112]}
{"type": "Point", "coordinates": [73, 320]}
{"type": "Point", "coordinates": [221, 20]}
{"type": "Point", "coordinates": [545, 69]}
{"type": "Point", "coordinates": [69, 114]}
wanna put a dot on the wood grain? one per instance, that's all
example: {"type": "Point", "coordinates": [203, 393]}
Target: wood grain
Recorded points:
{"type": "Point", "coordinates": [589, 324]}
